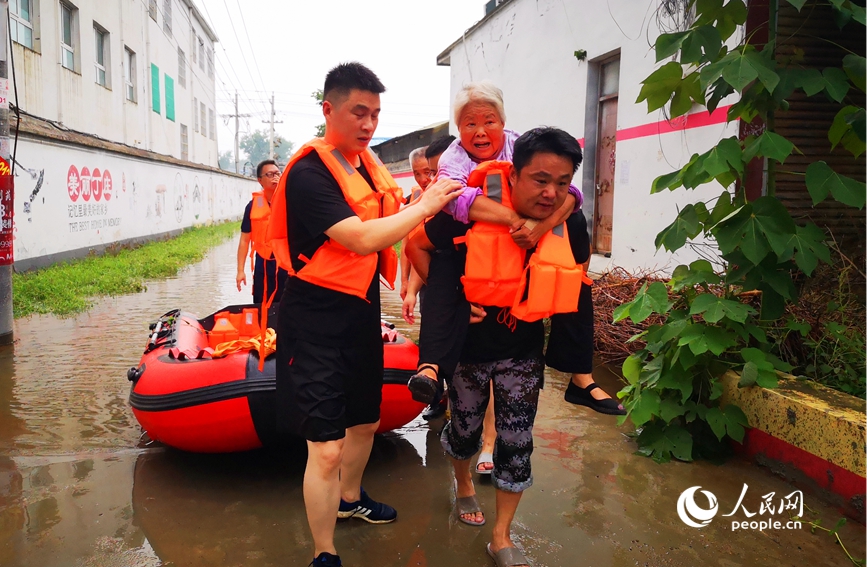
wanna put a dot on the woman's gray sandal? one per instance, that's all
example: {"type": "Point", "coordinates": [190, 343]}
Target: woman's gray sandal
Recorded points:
{"type": "Point", "coordinates": [465, 505]}
{"type": "Point", "coordinates": [508, 557]}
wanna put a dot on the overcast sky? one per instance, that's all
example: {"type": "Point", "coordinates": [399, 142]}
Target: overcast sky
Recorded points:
{"type": "Point", "coordinates": [287, 46]}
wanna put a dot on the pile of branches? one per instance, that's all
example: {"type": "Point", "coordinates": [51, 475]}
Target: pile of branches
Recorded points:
{"type": "Point", "coordinates": [835, 294]}
{"type": "Point", "coordinates": [613, 289]}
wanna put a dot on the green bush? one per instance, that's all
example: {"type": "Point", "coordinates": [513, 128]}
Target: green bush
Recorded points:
{"type": "Point", "coordinates": [69, 288]}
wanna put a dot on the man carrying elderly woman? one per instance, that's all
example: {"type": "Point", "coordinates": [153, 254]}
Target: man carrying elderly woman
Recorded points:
{"type": "Point", "coordinates": [502, 353]}
{"type": "Point", "coordinates": [480, 118]}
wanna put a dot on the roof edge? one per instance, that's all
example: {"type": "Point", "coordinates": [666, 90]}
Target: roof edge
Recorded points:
{"type": "Point", "coordinates": [444, 58]}
{"type": "Point", "coordinates": [198, 15]}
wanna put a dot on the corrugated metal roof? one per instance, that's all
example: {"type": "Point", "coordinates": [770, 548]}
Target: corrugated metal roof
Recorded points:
{"type": "Point", "coordinates": [808, 119]}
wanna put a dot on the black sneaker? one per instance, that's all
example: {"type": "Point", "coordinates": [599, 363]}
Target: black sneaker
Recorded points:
{"type": "Point", "coordinates": [582, 397]}
{"type": "Point", "coordinates": [325, 559]}
{"type": "Point", "coordinates": [367, 509]}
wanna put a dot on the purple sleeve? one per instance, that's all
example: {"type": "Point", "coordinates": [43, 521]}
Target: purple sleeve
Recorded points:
{"type": "Point", "coordinates": [579, 197]}
{"type": "Point", "coordinates": [456, 164]}
{"type": "Point", "coordinates": [461, 205]}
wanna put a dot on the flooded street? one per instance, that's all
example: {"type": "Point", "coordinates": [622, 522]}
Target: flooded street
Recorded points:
{"type": "Point", "coordinates": [79, 488]}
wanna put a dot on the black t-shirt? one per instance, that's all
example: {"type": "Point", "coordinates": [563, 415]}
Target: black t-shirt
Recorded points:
{"type": "Point", "coordinates": [315, 203]}
{"type": "Point", "coordinates": [442, 229]}
{"type": "Point", "coordinates": [499, 336]}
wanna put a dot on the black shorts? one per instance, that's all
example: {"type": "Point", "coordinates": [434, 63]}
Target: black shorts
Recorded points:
{"type": "Point", "coordinates": [323, 390]}
{"type": "Point", "coordinates": [445, 313]}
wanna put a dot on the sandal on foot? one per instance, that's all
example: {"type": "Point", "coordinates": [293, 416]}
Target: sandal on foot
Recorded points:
{"type": "Point", "coordinates": [484, 458]}
{"type": "Point", "coordinates": [508, 557]}
{"type": "Point", "coordinates": [467, 505]}
{"type": "Point", "coordinates": [582, 397]}
{"type": "Point", "coordinates": [423, 388]}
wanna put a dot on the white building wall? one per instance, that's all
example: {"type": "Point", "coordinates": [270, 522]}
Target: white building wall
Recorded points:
{"type": "Point", "coordinates": [526, 48]}
{"type": "Point", "coordinates": [74, 99]}
{"type": "Point", "coordinates": [132, 199]}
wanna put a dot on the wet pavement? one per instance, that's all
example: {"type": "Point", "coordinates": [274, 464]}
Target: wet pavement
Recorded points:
{"type": "Point", "coordinates": [79, 488]}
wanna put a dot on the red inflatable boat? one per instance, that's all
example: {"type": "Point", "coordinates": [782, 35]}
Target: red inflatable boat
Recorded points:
{"type": "Point", "coordinates": [184, 398]}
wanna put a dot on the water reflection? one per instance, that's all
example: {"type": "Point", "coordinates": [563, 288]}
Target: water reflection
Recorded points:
{"type": "Point", "coordinates": [78, 489]}
{"type": "Point", "coordinates": [247, 509]}
{"type": "Point", "coordinates": [12, 514]}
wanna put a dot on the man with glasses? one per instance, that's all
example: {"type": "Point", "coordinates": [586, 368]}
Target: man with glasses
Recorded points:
{"type": "Point", "coordinates": [253, 227]}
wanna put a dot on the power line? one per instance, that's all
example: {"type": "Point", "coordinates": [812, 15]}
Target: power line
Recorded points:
{"type": "Point", "coordinates": [240, 49]}
{"type": "Point", "coordinates": [229, 61]}
{"type": "Point", "coordinates": [236, 77]}
{"type": "Point", "coordinates": [250, 43]}
{"type": "Point", "coordinates": [308, 96]}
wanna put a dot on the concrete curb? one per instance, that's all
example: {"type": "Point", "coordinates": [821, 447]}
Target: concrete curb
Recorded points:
{"type": "Point", "coordinates": [810, 434]}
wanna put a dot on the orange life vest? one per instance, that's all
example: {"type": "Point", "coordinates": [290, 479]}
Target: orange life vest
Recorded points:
{"type": "Point", "coordinates": [333, 266]}
{"type": "Point", "coordinates": [260, 212]}
{"type": "Point", "coordinates": [496, 273]}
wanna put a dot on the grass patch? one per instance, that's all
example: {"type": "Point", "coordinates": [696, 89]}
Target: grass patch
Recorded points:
{"type": "Point", "coordinates": [72, 287]}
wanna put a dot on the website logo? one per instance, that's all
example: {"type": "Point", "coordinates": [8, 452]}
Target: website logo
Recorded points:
{"type": "Point", "coordinates": [691, 513]}
{"type": "Point", "coordinates": [696, 516]}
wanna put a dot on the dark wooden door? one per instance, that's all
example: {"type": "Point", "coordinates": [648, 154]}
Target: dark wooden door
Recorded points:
{"type": "Point", "coordinates": [605, 162]}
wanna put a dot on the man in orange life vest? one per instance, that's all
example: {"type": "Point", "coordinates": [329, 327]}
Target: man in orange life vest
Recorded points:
{"type": "Point", "coordinates": [516, 289]}
{"type": "Point", "coordinates": [422, 173]}
{"type": "Point", "coordinates": [253, 228]}
{"type": "Point", "coordinates": [334, 222]}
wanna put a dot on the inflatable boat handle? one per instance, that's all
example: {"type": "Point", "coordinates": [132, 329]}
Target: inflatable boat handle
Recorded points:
{"type": "Point", "coordinates": [133, 374]}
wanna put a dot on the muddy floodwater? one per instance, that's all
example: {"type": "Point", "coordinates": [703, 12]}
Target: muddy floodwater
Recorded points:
{"type": "Point", "coordinates": [79, 487]}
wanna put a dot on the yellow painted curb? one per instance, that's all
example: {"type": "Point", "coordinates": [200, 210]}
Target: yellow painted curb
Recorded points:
{"type": "Point", "coordinates": [819, 420]}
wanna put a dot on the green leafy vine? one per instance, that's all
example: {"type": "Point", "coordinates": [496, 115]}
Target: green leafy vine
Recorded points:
{"type": "Point", "coordinates": [716, 314]}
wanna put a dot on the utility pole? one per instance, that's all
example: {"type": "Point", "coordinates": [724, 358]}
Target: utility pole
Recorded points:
{"type": "Point", "coordinates": [236, 116]}
{"type": "Point", "coordinates": [271, 132]}
{"type": "Point", "coordinates": [236, 131]}
{"type": "Point", "coordinates": [7, 187]}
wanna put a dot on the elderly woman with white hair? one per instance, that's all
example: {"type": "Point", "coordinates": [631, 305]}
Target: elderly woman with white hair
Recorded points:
{"type": "Point", "coordinates": [480, 119]}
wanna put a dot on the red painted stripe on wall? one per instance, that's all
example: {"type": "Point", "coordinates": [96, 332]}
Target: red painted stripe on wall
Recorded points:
{"type": "Point", "coordinates": [697, 120]}
{"type": "Point", "coordinates": [827, 475]}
